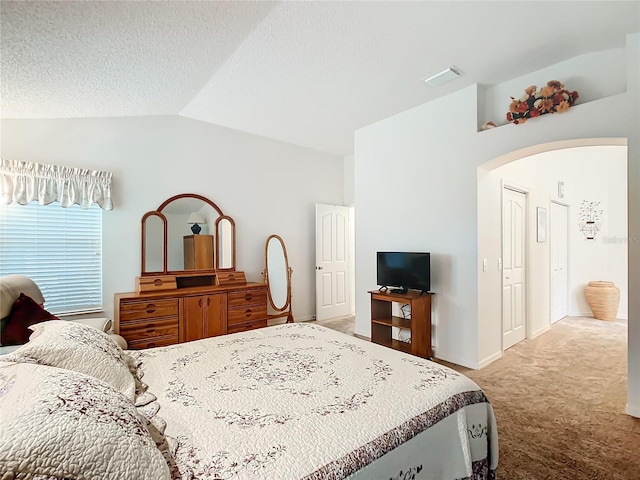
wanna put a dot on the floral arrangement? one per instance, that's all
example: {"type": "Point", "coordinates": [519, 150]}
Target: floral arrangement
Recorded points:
{"type": "Point", "coordinates": [550, 99]}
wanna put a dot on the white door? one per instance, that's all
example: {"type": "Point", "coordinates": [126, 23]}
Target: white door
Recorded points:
{"type": "Point", "coordinates": [559, 247]}
{"type": "Point", "coordinates": [332, 261]}
{"type": "Point", "coordinates": [513, 269]}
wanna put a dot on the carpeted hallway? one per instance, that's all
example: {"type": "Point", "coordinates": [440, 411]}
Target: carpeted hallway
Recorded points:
{"type": "Point", "coordinates": [559, 400]}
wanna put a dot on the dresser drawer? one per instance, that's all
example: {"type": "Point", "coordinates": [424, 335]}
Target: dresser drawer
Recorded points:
{"type": "Point", "coordinates": [243, 327]}
{"type": "Point", "coordinates": [147, 329]}
{"type": "Point", "coordinates": [153, 342]}
{"type": "Point", "coordinates": [149, 309]}
{"type": "Point", "coordinates": [246, 297]}
{"type": "Point", "coordinates": [246, 314]}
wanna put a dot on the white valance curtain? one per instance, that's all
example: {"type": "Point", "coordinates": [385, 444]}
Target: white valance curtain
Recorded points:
{"type": "Point", "coordinates": [24, 182]}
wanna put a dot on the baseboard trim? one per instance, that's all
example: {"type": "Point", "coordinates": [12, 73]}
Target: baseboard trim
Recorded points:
{"type": "Point", "coordinates": [452, 359]}
{"type": "Point", "coordinates": [362, 335]}
{"type": "Point", "coordinates": [590, 315]}
{"type": "Point", "coordinates": [539, 332]}
{"type": "Point", "coordinates": [633, 410]}
{"type": "Point", "coordinates": [581, 314]}
{"type": "Point", "coordinates": [490, 359]}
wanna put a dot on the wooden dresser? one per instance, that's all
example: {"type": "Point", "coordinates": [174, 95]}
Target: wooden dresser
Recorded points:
{"type": "Point", "coordinates": [159, 318]}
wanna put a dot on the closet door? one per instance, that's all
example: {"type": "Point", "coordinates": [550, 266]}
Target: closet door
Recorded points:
{"type": "Point", "coordinates": [514, 236]}
{"type": "Point", "coordinates": [559, 241]}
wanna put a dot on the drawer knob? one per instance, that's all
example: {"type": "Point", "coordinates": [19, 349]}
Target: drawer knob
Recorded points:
{"type": "Point", "coordinates": [151, 308]}
{"type": "Point", "coordinates": [157, 282]}
{"type": "Point", "coordinates": [247, 312]}
{"type": "Point", "coordinates": [248, 296]}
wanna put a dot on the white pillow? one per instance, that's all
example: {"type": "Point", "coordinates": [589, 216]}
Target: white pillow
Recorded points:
{"type": "Point", "coordinates": [75, 346]}
{"type": "Point", "coordinates": [58, 423]}
{"type": "Point", "coordinates": [101, 323]}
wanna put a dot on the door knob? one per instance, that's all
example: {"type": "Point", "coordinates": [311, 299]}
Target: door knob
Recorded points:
{"type": "Point", "coordinates": [318, 268]}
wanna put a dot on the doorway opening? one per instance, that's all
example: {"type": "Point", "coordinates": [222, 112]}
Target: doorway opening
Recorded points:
{"type": "Point", "coordinates": [587, 169]}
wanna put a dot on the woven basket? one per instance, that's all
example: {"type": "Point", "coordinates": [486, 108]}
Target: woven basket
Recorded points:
{"type": "Point", "coordinates": [603, 299]}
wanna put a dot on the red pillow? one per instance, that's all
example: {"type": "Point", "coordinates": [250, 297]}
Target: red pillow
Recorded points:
{"type": "Point", "coordinates": [24, 313]}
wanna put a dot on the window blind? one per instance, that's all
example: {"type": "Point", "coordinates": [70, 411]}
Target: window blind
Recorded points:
{"type": "Point", "coordinates": [58, 248]}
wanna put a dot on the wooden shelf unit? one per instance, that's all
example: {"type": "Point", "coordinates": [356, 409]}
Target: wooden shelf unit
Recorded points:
{"type": "Point", "coordinates": [419, 323]}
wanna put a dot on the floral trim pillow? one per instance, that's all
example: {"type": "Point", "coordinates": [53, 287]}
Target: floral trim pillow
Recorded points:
{"type": "Point", "coordinates": [84, 349]}
{"type": "Point", "coordinates": [62, 424]}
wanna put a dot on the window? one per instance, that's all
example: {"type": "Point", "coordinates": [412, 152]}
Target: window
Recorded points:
{"type": "Point", "coordinates": [59, 248]}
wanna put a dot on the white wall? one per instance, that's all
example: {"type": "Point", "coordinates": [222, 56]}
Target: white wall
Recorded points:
{"type": "Point", "coordinates": [588, 173]}
{"type": "Point", "coordinates": [417, 186]}
{"type": "Point", "coordinates": [349, 200]}
{"type": "Point", "coordinates": [633, 205]}
{"type": "Point", "coordinates": [266, 186]}
{"type": "Point", "coordinates": [349, 178]}
{"type": "Point", "coordinates": [415, 190]}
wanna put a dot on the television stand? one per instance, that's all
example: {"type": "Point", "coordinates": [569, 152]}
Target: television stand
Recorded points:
{"type": "Point", "coordinates": [382, 321]}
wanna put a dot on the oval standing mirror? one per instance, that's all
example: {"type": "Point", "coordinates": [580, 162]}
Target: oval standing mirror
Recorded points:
{"type": "Point", "coordinates": [277, 274]}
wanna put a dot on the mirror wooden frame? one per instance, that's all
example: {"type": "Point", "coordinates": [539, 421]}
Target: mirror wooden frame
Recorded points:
{"type": "Point", "coordinates": [158, 213]}
{"type": "Point", "coordinates": [286, 308]}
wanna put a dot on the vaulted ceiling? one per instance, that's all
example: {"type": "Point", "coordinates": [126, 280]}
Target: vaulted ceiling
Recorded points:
{"type": "Point", "coordinates": [307, 73]}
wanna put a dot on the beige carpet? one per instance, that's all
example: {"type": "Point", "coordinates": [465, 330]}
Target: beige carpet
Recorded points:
{"type": "Point", "coordinates": [559, 401]}
{"type": "Point", "coordinates": [342, 324]}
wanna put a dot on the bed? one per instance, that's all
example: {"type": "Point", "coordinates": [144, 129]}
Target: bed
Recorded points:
{"type": "Point", "coordinates": [293, 401]}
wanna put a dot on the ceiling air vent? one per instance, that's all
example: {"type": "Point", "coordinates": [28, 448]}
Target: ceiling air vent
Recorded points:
{"type": "Point", "coordinates": [443, 77]}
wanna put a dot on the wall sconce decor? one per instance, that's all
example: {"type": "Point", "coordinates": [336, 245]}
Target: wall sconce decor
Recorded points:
{"type": "Point", "coordinates": [590, 219]}
{"type": "Point", "coordinates": [196, 219]}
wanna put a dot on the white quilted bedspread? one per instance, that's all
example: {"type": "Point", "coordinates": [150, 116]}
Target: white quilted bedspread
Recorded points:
{"type": "Point", "coordinates": [301, 401]}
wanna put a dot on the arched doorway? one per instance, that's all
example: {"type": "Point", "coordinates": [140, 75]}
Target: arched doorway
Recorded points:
{"type": "Point", "coordinates": [489, 241]}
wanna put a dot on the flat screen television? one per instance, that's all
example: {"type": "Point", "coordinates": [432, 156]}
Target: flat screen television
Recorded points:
{"type": "Point", "coordinates": [404, 270]}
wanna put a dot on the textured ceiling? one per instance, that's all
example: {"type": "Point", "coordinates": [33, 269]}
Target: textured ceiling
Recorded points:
{"type": "Point", "coordinates": [307, 73]}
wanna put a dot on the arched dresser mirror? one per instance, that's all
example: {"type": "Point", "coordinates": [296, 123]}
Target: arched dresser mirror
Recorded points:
{"type": "Point", "coordinates": [172, 248]}
{"type": "Point", "coordinates": [277, 275]}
